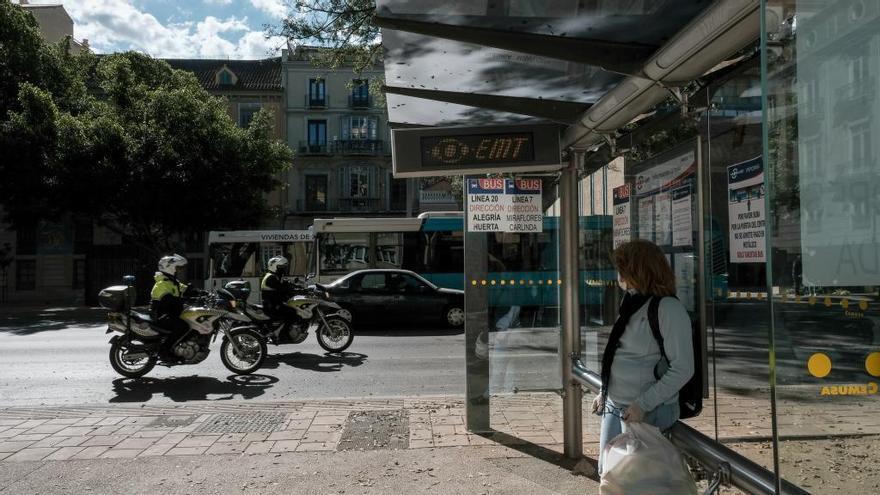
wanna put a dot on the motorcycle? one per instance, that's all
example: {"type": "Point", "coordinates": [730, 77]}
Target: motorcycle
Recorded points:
{"type": "Point", "coordinates": [139, 348]}
{"type": "Point", "coordinates": [315, 311]}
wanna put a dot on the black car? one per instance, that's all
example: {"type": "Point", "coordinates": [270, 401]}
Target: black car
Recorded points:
{"type": "Point", "coordinates": [401, 295]}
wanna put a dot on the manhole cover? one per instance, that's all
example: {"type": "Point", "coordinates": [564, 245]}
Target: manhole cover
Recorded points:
{"type": "Point", "coordinates": [375, 430]}
{"type": "Point", "coordinates": [173, 421]}
{"type": "Point", "coordinates": [264, 422]}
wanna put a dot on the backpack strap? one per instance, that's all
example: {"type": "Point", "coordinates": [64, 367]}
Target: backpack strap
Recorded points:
{"type": "Point", "coordinates": [654, 322]}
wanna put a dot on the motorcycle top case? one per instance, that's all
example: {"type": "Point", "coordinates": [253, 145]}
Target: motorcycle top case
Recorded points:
{"type": "Point", "coordinates": [241, 289]}
{"type": "Point", "coordinates": [114, 298]}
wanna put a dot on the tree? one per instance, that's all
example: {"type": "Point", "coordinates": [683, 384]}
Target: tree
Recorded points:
{"type": "Point", "coordinates": [151, 155]}
{"type": "Point", "coordinates": [344, 28]}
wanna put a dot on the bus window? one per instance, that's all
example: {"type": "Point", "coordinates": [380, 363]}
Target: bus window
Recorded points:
{"type": "Point", "coordinates": [231, 260]}
{"type": "Point", "coordinates": [389, 247]}
{"type": "Point", "coordinates": [342, 253]}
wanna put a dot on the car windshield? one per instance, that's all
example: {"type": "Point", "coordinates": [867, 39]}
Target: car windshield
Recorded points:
{"type": "Point", "coordinates": [343, 282]}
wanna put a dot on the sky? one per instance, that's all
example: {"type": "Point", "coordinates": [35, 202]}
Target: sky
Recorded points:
{"type": "Point", "coordinates": [225, 29]}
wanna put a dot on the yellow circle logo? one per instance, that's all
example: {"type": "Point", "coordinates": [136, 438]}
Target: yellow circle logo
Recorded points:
{"type": "Point", "coordinates": [872, 364]}
{"type": "Point", "coordinates": [819, 365]}
{"type": "Point", "coordinates": [863, 305]}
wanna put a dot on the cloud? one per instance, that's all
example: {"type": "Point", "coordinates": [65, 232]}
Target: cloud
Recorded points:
{"type": "Point", "coordinates": [115, 25]}
{"type": "Point", "coordinates": [275, 8]}
{"type": "Point", "coordinates": [217, 2]}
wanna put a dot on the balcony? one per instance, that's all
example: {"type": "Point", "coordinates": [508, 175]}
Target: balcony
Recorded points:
{"type": "Point", "coordinates": [306, 148]}
{"type": "Point", "coordinates": [359, 101]}
{"type": "Point", "coordinates": [358, 147]}
{"type": "Point", "coordinates": [317, 103]}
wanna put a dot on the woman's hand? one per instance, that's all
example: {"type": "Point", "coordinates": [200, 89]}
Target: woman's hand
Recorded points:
{"type": "Point", "coordinates": [634, 414]}
{"type": "Point", "coordinates": [598, 405]}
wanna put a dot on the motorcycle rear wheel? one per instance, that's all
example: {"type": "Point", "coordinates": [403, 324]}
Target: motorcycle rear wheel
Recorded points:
{"type": "Point", "coordinates": [253, 351]}
{"type": "Point", "coordinates": [337, 337]}
{"type": "Point", "coordinates": [129, 369]}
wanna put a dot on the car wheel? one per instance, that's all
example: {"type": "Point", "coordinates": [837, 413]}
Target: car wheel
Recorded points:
{"type": "Point", "coordinates": [454, 316]}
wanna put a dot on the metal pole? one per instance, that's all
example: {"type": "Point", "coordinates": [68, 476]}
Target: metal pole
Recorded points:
{"type": "Point", "coordinates": [569, 307]}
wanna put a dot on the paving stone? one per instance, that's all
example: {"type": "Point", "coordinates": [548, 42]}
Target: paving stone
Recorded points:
{"type": "Point", "coordinates": [91, 453]}
{"type": "Point", "coordinates": [11, 422]}
{"type": "Point", "coordinates": [64, 453]}
{"type": "Point", "coordinates": [88, 421]}
{"type": "Point", "coordinates": [13, 432]}
{"type": "Point", "coordinates": [135, 443]}
{"type": "Point", "coordinates": [420, 444]}
{"type": "Point", "coordinates": [32, 423]}
{"type": "Point", "coordinates": [158, 449]}
{"type": "Point", "coordinates": [172, 438]}
{"type": "Point", "coordinates": [46, 429]}
{"type": "Point", "coordinates": [71, 441]}
{"type": "Point", "coordinates": [150, 433]}
{"type": "Point", "coordinates": [74, 431]}
{"type": "Point", "coordinates": [115, 453]}
{"type": "Point", "coordinates": [232, 437]}
{"type": "Point", "coordinates": [255, 437]}
{"type": "Point", "coordinates": [198, 441]}
{"type": "Point", "coordinates": [329, 420]}
{"type": "Point", "coordinates": [30, 455]}
{"type": "Point", "coordinates": [104, 440]}
{"type": "Point", "coordinates": [111, 421]}
{"type": "Point", "coordinates": [48, 442]}
{"type": "Point", "coordinates": [187, 451]}
{"type": "Point", "coordinates": [14, 446]}
{"type": "Point", "coordinates": [285, 446]}
{"type": "Point", "coordinates": [314, 446]}
{"type": "Point", "coordinates": [63, 421]}
{"type": "Point", "coordinates": [287, 435]}
{"type": "Point", "coordinates": [4, 455]}
{"type": "Point", "coordinates": [221, 448]}
{"type": "Point", "coordinates": [29, 437]}
{"type": "Point", "coordinates": [321, 436]}
{"type": "Point", "coordinates": [259, 447]}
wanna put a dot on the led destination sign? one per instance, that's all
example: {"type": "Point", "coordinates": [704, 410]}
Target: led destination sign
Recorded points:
{"type": "Point", "coordinates": [438, 151]}
{"type": "Point", "coordinates": [424, 152]}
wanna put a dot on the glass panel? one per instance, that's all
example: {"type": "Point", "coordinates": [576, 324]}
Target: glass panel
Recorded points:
{"type": "Point", "coordinates": [342, 253]}
{"type": "Point", "coordinates": [512, 306]}
{"type": "Point", "coordinates": [822, 105]}
{"type": "Point", "coordinates": [316, 192]}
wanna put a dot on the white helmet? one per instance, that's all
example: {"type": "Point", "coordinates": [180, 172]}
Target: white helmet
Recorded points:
{"type": "Point", "coordinates": [170, 264]}
{"type": "Point", "coordinates": [277, 262]}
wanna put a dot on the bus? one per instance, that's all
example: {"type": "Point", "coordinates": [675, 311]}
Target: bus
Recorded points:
{"type": "Point", "coordinates": [523, 268]}
{"type": "Point", "coordinates": [243, 255]}
{"type": "Point", "coordinates": [431, 245]}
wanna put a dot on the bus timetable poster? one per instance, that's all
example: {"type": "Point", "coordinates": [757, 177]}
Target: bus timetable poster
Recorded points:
{"type": "Point", "coordinates": [745, 205]}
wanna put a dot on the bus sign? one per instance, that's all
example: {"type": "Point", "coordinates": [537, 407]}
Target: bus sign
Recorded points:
{"type": "Point", "coordinates": [426, 152]}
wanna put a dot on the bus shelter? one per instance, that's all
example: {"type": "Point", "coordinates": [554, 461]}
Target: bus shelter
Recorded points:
{"type": "Point", "coordinates": [567, 101]}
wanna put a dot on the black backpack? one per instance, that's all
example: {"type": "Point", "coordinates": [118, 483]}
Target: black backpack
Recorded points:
{"type": "Point", "coordinates": [690, 397]}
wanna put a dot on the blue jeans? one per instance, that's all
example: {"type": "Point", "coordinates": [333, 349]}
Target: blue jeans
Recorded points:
{"type": "Point", "coordinates": [663, 417]}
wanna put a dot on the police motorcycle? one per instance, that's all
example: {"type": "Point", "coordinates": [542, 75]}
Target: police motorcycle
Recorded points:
{"type": "Point", "coordinates": [137, 348]}
{"type": "Point", "coordinates": [315, 313]}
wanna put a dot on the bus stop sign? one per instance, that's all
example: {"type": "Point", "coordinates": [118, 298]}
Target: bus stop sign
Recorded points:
{"type": "Point", "coordinates": [426, 152]}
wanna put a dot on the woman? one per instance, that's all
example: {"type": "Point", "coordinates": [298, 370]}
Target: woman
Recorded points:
{"type": "Point", "coordinates": [637, 383]}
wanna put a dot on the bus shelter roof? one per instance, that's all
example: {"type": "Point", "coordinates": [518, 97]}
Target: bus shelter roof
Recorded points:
{"type": "Point", "coordinates": [463, 63]}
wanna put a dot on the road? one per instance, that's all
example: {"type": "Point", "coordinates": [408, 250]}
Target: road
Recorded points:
{"type": "Point", "coordinates": [61, 358]}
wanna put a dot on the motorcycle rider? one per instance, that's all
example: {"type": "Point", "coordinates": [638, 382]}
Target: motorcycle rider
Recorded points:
{"type": "Point", "coordinates": [166, 298]}
{"type": "Point", "coordinates": [275, 291]}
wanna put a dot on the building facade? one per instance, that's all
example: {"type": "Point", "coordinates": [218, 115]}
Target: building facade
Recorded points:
{"type": "Point", "coordinates": [340, 135]}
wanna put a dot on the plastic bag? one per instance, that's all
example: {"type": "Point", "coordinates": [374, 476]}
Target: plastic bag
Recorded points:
{"type": "Point", "coordinates": [643, 462]}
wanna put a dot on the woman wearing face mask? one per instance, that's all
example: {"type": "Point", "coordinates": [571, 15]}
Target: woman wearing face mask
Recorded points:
{"type": "Point", "coordinates": [638, 384]}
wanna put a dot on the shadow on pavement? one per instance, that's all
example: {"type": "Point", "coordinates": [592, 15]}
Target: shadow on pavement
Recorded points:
{"type": "Point", "coordinates": [536, 451]}
{"type": "Point", "coordinates": [315, 362]}
{"type": "Point", "coordinates": [380, 330]}
{"type": "Point", "coordinates": [31, 321]}
{"type": "Point", "coordinates": [186, 388]}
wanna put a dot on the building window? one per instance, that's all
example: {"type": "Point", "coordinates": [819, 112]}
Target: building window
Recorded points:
{"type": "Point", "coordinates": [811, 156]}
{"type": "Point", "coordinates": [79, 274]}
{"type": "Point", "coordinates": [25, 274]}
{"type": "Point", "coordinates": [359, 182]}
{"type": "Point", "coordinates": [246, 112]}
{"type": "Point", "coordinates": [317, 93]}
{"type": "Point", "coordinates": [225, 78]}
{"type": "Point", "coordinates": [26, 240]}
{"type": "Point", "coordinates": [360, 127]}
{"type": "Point", "coordinates": [860, 145]}
{"type": "Point", "coordinates": [317, 130]}
{"type": "Point", "coordinates": [316, 192]}
{"type": "Point", "coordinates": [360, 93]}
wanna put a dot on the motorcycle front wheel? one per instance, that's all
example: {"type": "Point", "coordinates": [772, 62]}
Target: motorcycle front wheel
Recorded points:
{"type": "Point", "coordinates": [250, 354]}
{"type": "Point", "coordinates": [130, 363]}
{"type": "Point", "coordinates": [336, 335]}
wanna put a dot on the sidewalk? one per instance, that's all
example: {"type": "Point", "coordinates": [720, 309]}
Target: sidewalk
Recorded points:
{"type": "Point", "coordinates": [323, 446]}
{"type": "Point", "coordinates": [341, 446]}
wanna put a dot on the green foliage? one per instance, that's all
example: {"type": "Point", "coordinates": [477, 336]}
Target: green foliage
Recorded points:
{"type": "Point", "coordinates": [344, 28]}
{"type": "Point", "coordinates": [152, 155]}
